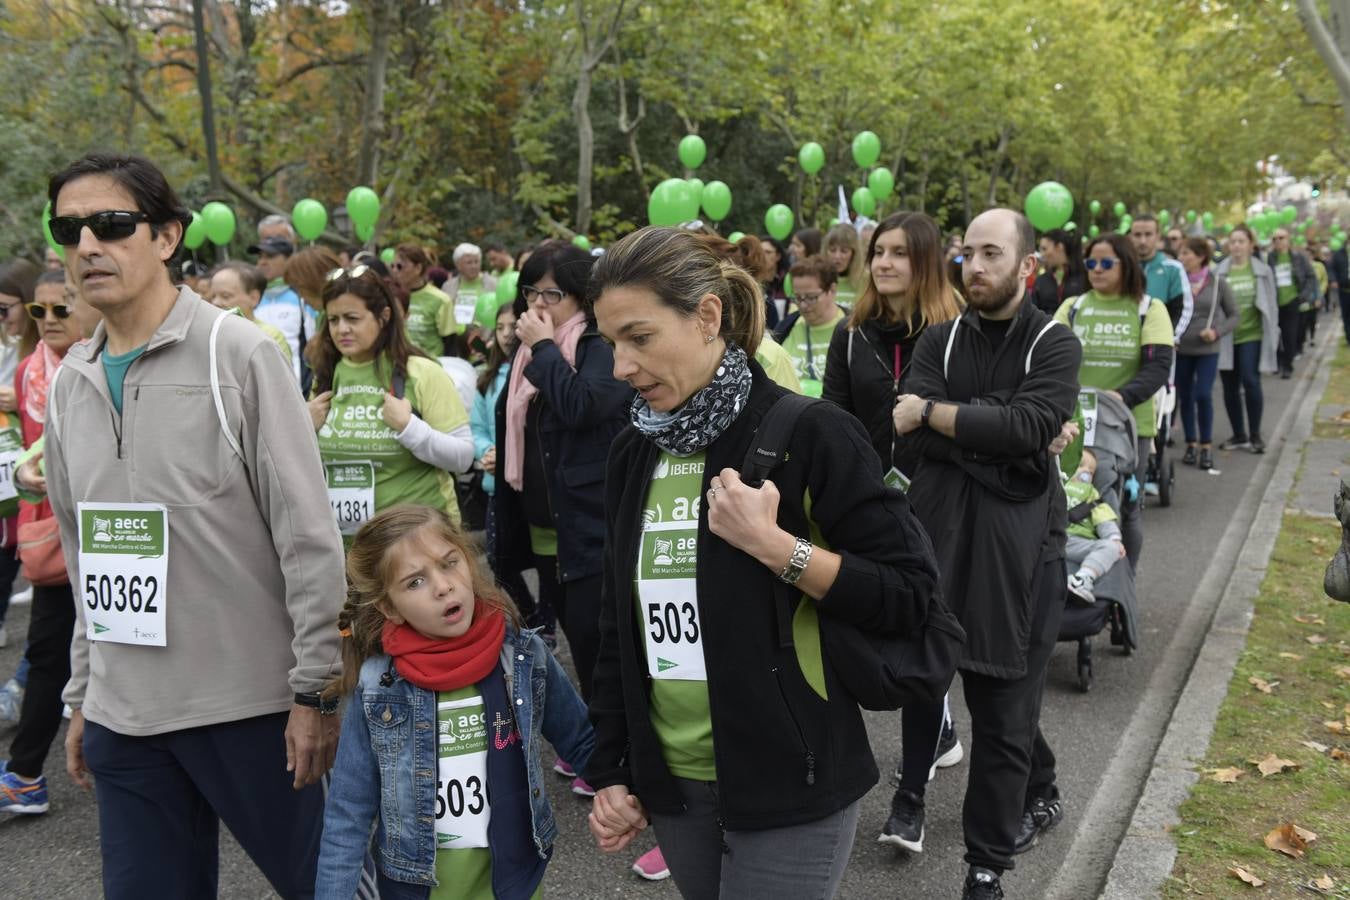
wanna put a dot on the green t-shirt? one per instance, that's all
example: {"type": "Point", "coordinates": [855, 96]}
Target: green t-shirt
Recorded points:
{"type": "Point", "coordinates": [115, 370]}
{"type": "Point", "coordinates": [424, 316]}
{"type": "Point", "coordinates": [1286, 291]}
{"type": "Point", "coordinates": [1079, 492]}
{"type": "Point", "coordinates": [778, 365]}
{"type": "Point", "coordinates": [460, 310]}
{"type": "Point", "coordinates": [808, 346]}
{"type": "Point", "coordinates": [278, 337]}
{"type": "Point", "coordinates": [355, 431]}
{"type": "Point", "coordinates": [1112, 336]}
{"type": "Point", "coordinates": [845, 293]}
{"type": "Point", "coordinates": [1242, 283]}
{"type": "Point", "coordinates": [667, 564]}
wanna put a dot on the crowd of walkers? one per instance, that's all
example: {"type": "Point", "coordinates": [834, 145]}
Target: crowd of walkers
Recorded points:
{"type": "Point", "coordinates": [247, 500]}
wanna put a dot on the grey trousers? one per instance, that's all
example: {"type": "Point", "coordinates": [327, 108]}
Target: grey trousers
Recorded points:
{"type": "Point", "coordinates": [796, 862]}
{"type": "Point", "coordinates": [1097, 556]}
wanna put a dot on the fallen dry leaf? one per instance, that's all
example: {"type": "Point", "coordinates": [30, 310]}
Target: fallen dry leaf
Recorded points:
{"type": "Point", "coordinates": [1225, 776]}
{"type": "Point", "coordinates": [1246, 876]}
{"type": "Point", "coordinates": [1273, 765]}
{"type": "Point", "coordinates": [1328, 705]}
{"type": "Point", "coordinates": [1315, 747]}
{"type": "Point", "coordinates": [1290, 840]}
{"type": "Point", "coordinates": [1324, 882]}
{"type": "Point", "coordinates": [1261, 684]}
{"type": "Point", "coordinates": [1290, 656]}
{"type": "Point", "coordinates": [1335, 726]}
{"type": "Point", "coordinates": [1339, 754]}
{"type": "Point", "coordinates": [1315, 639]}
{"type": "Point", "coordinates": [1343, 672]}
{"type": "Point", "coordinates": [1309, 619]}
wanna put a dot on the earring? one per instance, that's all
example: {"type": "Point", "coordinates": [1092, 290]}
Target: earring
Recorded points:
{"type": "Point", "coordinates": [707, 339]}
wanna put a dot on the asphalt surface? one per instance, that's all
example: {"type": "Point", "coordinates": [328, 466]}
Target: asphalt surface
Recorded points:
{"type": "Point", "coordinates": [56, 855]}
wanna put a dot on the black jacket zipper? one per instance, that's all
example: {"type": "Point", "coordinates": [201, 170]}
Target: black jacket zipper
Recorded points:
{"type": "Point", "coordinates": [810, 757]}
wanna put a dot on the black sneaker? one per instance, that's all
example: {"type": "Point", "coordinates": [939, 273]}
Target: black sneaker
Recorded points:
{"type": "Point", "coordinates": [1188, 458]}
{"type": "Point", "coordinates": [904, 828]}
{"type": "Point", "coordinates": [1236, 442]}
{"type": "Point", "coordinates": [949, 753]}
{"type": "Point", "coordinates": [1258, 445]}
{"type": "Point", "coordinates": [1206, 458]}
{"type": "Point", "coordinates": [1041, 814]}
{"type": "Point", "coordinates": [982, 884]}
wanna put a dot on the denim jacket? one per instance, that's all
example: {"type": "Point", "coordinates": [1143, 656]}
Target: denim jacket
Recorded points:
{"type": "Point", "coordinates": [386, 765]}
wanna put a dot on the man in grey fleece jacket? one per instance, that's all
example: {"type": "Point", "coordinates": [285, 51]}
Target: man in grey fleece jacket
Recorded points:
{"type": "Point", "coordinates": [197, 659]}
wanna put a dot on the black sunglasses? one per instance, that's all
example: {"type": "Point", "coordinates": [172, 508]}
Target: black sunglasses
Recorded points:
{"type": "Point", "coordinates": [109, 225]}
{"type": "Point", "coordinates": [38, 311]}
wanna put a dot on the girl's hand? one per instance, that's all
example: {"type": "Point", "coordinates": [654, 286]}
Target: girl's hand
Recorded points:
{"type": "Point", "coordinates": [616, 817]}
{"type": "Point", "coordinates": [489, 460]}
{"type": "Point", "coordinates": [397, 412]}
{"type": "Point", "coordinates": [533, 327]}
{"type": "Point", "coordinates": [318, 409]}
{"type": "Point", "coordinates": [1067, 432]}
{"type": "Point", "coordinates": [747, 518]}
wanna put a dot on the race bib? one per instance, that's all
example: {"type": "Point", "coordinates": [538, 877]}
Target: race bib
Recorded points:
{"type": "Point", "coordinates": [462, 809]}
{"type": "Point", "coordinates": [11, 448]}
{"type": "Point", "coordinates": [668, 592]}
{"type": "Point", "coordinates": [897, 479]}
{"type": "Point", "coordinates": [1284, 275]}
{"type": "Point", "coordinates": [1087, 402]}
{"type": "Point", "coordinates": [124, 568]}
{"type": "Point", "coordinates": [465, 304]}
{"type": "Point", "coordinates": [351, 493]}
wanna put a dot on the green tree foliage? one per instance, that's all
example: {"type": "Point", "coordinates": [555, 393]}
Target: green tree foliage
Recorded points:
{"type": "Point", "coordinates": [466, 115]}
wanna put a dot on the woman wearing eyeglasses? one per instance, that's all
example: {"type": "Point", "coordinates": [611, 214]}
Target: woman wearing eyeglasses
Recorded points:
{"type": "Point", "coordinates": [391, 425]}
{"type": "Point", "coordinates": [426, 302]}
{"type": "Point", "coordinates": [561, 409]}
{"type": "Point", "coordinates": [1127, 351]}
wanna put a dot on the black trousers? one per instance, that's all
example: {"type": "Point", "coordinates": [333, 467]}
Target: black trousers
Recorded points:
{"type": "Point", "coordinates": [1344, 300]}
{"type": "Point", "coordinates": [921, 725]}
{"type": "Point", "coordinates": [1289, 336]}
{"type": "Point", "coordinates": [9, 570]}
{"type": "Point", "coordinates": [49, 632]}
{"type": "Point", "coordinates": [1005, 727]}
{"type": "Point", "coordinates": [577, 604]}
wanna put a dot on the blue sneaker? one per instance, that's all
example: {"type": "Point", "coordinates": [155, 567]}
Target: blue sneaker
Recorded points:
{"type": "Point", "coordinates": [17, 796]}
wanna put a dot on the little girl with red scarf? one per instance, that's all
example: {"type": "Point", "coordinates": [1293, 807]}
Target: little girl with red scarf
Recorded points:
{"type": "Point", "coordinates": [449, 700]}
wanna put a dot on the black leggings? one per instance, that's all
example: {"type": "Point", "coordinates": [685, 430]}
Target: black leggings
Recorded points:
{"type": "Point", "coordinates": [50, 627]}
{"type": "Point", "coordinates": [577, 604]}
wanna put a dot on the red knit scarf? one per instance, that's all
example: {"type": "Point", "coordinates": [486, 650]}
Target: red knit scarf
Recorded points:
{"type": "Point", "coordinates": [447, 664]}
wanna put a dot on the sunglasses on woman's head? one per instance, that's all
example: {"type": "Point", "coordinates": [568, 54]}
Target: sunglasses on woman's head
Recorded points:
{"type": "Point", "coordinates": [109, 225]}
{"type": "Point", "coordinates": [353, 272]}
{"type": "Point", "coordinates": [38, 311]}
{"type": "Point", "coordinates": [1107, 264]}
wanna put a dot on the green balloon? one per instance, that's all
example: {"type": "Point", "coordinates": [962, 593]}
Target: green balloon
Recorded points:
{"type": "Point", "coordinates": [309, 218]}
{"type": "Point", "coordinates": [1119, 208]}
{"type": "Point", "coordinates": [1164, 216]}
{"type": "Point", "coordinates": [387, 256]}
{"type": "Point", "coordinates": [485, 310]}
{"type": "Point", "coordinates": [582, 242]}
{"type": "Point", "coordinates": [735, 236]}
{"type": "Point", "coordinates": [866, 149]}
{"type": "Point", "coordinates": [219, 221]}
{"type": "Point", "coordinates": [506, 287]}
{"type": "Point", "coordinates": [1093, 231]}
{"type": "Point", "coordinates": [674, 201]}
{"type": "Point", "coordinates": [787, 285]}
{"type": "Point", "coordinates": [881, 182]}
{"type": "Point", "coordinates": [1095, 207]}
{"type": "Point", "coordinates": [363, 207]}
{"type": "Point", "coordinates": [195, 235]}
{"type": "Point", "coordinates": [1070, 226]}
{"type": "Point", "coordinates": [778, 221]}
{"type": "Point", "coordinates": [47, 231]}
{"type": "Point", "coordinates": [364, 232]}
{"type": "Point", "coordinates": [1125, 222]}
{"type": "Point", "coordinates": [811, 157]}
{"type": "Point", "coordinates": [1208, 220]}
{"type": "Point", "coordinates": [1049, 205]}
{"type": "Point", "coordinates": [1337, 243]}
{"type": "Point", "coordinates": [1190, 215]}
{"type": "Point", "coordinates": [1288, 214]}
{"type": "Point", "coordinates": [693, 151]}
{"type": "Point", "coordinates": [716, 200]}
{"type": "Point", "coordinates": [863, 201]}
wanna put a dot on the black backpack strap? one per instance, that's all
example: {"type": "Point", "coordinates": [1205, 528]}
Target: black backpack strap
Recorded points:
{"type": "Point", "coordinates": [399, 385]}
{"type": "Point", "coordinates": [768, 448]}
{"type": "Point", "coordinates": [1080, 512]}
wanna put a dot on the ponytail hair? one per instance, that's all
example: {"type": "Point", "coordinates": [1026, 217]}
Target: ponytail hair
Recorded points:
{"type": "Point", "coordinates": [680, 267]}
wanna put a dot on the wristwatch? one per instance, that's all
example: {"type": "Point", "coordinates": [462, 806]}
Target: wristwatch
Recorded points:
{"type": "Point", "coordinates": [927, 411]}
{"type": "Point", "coordinates": [797, 562]}
{"type": "Point", "coordinates": [327, 706]}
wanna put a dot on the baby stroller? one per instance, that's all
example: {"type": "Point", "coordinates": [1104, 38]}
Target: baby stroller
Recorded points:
{"type": "Point", "coordinates": [1111, 431]}
{"type": "Point", "coordinates": [1161, 475]}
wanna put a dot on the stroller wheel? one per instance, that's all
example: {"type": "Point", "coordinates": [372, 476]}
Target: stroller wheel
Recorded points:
{"type": "Point", "coordinates": [1166, 482]}
{"type": "Point", "coordinates": [1085, 664]}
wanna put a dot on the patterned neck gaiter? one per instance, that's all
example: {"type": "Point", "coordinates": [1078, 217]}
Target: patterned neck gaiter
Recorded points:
{"type": "Point", "coordinates": [705, 415]}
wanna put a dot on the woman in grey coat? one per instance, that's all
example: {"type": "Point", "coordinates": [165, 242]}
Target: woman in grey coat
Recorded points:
{"type": "Point", "coordinates": [1214, 315]}
{"type": "Point", "coordinates": [1249, 351]}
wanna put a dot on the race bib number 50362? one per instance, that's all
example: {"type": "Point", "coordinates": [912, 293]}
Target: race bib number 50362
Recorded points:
{"type": "Point", "coordinates": [124, 568]}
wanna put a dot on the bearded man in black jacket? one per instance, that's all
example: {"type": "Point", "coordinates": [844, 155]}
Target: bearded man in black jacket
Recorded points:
{"type": "Point", "coordinates": [991, 392]}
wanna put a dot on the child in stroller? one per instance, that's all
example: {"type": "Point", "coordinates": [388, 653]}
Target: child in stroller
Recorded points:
{"type": "Point", "coordinates": [1094, 543]}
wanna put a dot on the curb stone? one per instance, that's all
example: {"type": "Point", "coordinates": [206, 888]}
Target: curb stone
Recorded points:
{"type": "Point", "coordinates": [1172, 725]}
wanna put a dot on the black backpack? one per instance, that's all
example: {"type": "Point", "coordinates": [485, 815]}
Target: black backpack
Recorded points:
{"type": "Point", "coordinates": [879, 672]}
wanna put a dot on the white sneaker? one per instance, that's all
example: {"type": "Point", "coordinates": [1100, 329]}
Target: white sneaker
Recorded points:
{"type": "Point", "coordinates": [22, 598]}
{"type": "Point", "coordinates": [1080, 588]}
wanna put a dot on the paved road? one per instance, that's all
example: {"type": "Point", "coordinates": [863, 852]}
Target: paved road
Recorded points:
{"type": "Point", "coordinates": [56, 855]}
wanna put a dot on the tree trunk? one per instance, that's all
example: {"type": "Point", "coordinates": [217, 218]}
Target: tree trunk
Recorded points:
{"type": "Point", "coordinates": [628, 127]}
{"type": "Point", "coordinates": [204, 94]}
{"type": "Point", "coordinates": [1335, 51]}
{"type": "Point", "coordinates": [372, 113]}
{"type": "Point", "coordinates": [581, 112]}
{"type": "Point", "coordinates": [1000, 153]}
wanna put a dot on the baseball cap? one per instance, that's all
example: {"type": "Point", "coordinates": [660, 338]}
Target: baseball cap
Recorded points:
{"type": "Point", "coordinates": [273, 246]}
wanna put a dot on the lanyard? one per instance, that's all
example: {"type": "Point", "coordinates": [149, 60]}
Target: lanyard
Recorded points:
{"type": "Point", "coordinates": [810, 354]}
{"type": "Point", "coordinates": [896, 371]}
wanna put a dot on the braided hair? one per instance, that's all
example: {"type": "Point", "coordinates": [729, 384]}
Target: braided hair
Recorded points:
{"type": "Point", "coordinates": [369, 564]}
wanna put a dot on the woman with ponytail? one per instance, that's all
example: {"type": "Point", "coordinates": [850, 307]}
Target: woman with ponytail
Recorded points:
{"type": "Point", "coordinates": [716, 718]}
{"type": "Point", "coordinates": [440, 674]}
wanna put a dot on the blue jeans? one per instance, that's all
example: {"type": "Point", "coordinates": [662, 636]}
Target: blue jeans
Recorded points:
{"type": "Point", "coordinates": [1195, 391]}
{"type": "Point", "coordinates": [1243, 383]}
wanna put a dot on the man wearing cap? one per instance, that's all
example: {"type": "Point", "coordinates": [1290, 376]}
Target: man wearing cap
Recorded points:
{"type": "Point", "coordinates": [281, 306]}
{"type": "Point", "coordinates": [464, 289]}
